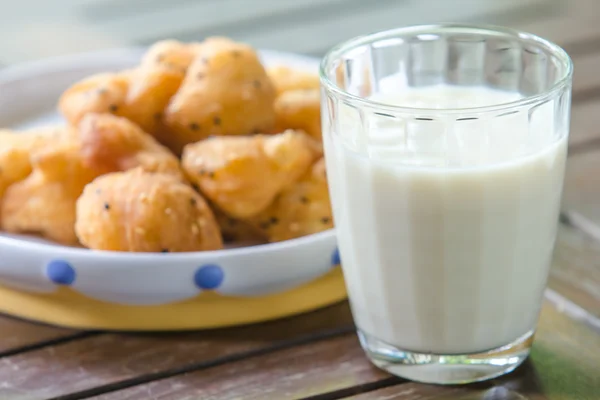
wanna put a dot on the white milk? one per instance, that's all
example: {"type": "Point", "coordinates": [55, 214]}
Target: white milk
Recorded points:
{"type": "Point", "coordinates": [446, 229]}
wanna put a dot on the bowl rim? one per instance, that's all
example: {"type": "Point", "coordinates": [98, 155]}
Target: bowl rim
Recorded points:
{"type": "Point", "coordinates": [89, 59]}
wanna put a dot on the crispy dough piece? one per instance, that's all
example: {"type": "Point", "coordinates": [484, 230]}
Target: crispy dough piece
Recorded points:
{"type": "Point", "coordinates": [15, 150]}
{"type": "Point", "coordinates": [110, 144]}
{"type": "Point", "coordinates": [299, 109]}
{"type": "Point", "coordinates": [299, 210]}
{"type": "Point", "coordinates": [286, 78]}
{"type": "Point", "coordinates": [226, 92]}
{"type": "Point", "coordinates": [44, 202]}
{"type": "Point", "coordinates": [242, 175]}
{"type": "Point", "coordinates": [140, 94]}
{"type": "Point", "coordinates": [100, 93]}
{"type": "Point", "coordinates": [235, 231]}
{"type": "Point", "coordinates": [139, 211]}
{"type": "Point", "coordinates": [155, 81]}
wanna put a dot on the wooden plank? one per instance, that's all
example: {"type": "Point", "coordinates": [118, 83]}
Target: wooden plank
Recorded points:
{"type": "Point", "coordinates": [113, 361]}
{"type": "Point", "coordinates": [204, 18]}
{"type": "Point", "coordinates": [17, 335]}
{"type": "Point", "coordinates": [563, 366]}
{"type": "Point", "coordinates": [582, 188]}
{"type": "Point", "coordinates": [585, 75]}
{"type": "Point", "coordinates": [104, 25]}
{"type": "Point", "coordinates": [564, 349]}
{"type": "Point", "coordinates": [306, 25]}
{"type": "Point", "coordinates": [575, 272]}
{"type": "Point", "coordinates": [585, 123]}
{"type": "Point", "coordinates": [416, 391]}
{"type": "Point", "coordinates": [573, 23]}
{"type": "Point", "coordinates": [294, 373]}
{"type": "Point", "coordinates": [114, 9]}
{"type": "Point", "coordinates": [316, 35]}
{"type": "Point", "coordinates": [585, 115]}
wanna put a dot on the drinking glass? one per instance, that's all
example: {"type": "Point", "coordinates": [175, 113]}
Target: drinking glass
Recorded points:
{"type": "Point", "coordinates": [446, 203]}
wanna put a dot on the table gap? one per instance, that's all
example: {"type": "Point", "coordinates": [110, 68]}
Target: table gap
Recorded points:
{"type": "Point", "coordinates": [50, 342]}
{"type": "Point", "coordinates": [358, 389]}
{"type": "Point", "coordinates": [168, 373]}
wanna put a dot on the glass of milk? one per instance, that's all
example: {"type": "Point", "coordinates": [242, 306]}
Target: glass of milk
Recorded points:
{"type": "Point", "coordinates": [445, 148]}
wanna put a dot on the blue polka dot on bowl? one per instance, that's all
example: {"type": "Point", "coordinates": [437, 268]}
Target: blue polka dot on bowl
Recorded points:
{"type": "Point", "coordinates": [209, 276]}
{"type": "Point", "coordinates": [335, 258]}
{"type": "Point", "coordinates": [60, 272]}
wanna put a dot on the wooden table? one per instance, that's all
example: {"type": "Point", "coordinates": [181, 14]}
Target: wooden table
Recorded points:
{"type": "Point", "coordinates": [316, 355]}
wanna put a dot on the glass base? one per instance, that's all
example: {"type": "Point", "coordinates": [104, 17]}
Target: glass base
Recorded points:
{"type": "Point", "coordinates": [446, 369]}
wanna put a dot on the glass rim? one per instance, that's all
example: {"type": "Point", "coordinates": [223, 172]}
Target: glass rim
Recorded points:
{"type": "Point", "coordinates": [499, 31]}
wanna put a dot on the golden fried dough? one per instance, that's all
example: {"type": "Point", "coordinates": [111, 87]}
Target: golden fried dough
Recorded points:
{"type": "Point", "coordinates": [16, 149]}
{"type": "Point", "coordinates": [301, 209]}
{"type": "Point", "coordinates": [299, 109]}
{"type": "Point", "coordinates": [14, 157]}
{"type": "Point", "coordinates": [226, 92]}
{"type": "Point", "coordinates": [110, 144]}
{"type": "Point", "coordinates": [145, 212]}
{"type": "Point", "coordinates": [156, 80]}
{"type": "Point", "coordinates": [285, 79]}
{"type": "Point", "coordinates": [101, 93]}
{"type": "Point", "coordinates": [237, 231]}
{"type": "Point", "coordinates": [140, 94]}
{"type": "Point", "coordinates": [44, 202]}
{"type": "Point", "coordinates": [242, 175]}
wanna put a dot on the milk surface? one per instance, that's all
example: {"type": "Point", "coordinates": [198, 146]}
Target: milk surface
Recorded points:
{"type": "Point", "coordinates": [446, 225]}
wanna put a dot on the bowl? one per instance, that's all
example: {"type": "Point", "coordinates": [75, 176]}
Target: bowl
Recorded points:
{"type": "Point", "coordinates": [84, 288]}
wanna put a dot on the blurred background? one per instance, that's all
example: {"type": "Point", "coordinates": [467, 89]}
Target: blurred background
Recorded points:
{"type": "Point", "coordinates": [34, 29]}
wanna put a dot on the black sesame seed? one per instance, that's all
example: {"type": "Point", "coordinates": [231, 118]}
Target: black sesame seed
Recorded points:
{"type": "Point", "coordinates": [211, 175]}
{"type": "Point", "coordinates": [157, 116]}
{"type": "Point", "coordinates": [193, 201]}
{"type": "Point", "coordinates": [200, 75]}
{"type": "Point", "coordinates": [196, 187]}
{"type": "Point", "coordinates": [264, 225]}
{"type": "Point", "coordinates": [256, 84]}
{"type": "Point", "coordinates": [202, 172]}
{"type": "Point", "coordinates": [236, 53]}
{"type": "Point", "coordinates": [217, 121]}
{"type": "Point", "coordinates": [164, 251]}
{"type": "Point", "coordinates": [113, 108]}
{"type": "Point", "coordinates": [106, 206]}
{"type": "Point", "coordinates": [256, 131]}
{"type": "Point", "coordinates": [274, 220]}
{"type": "Point", "coordinates": [304, 200]}
{"type": "Point", "coordinates": [194, 126]}
{"type": "Point", "coordinates": [325, 220]}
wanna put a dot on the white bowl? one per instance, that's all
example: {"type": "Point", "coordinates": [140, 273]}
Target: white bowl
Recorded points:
{"type": "Point", "coordinates": [28, 96]}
